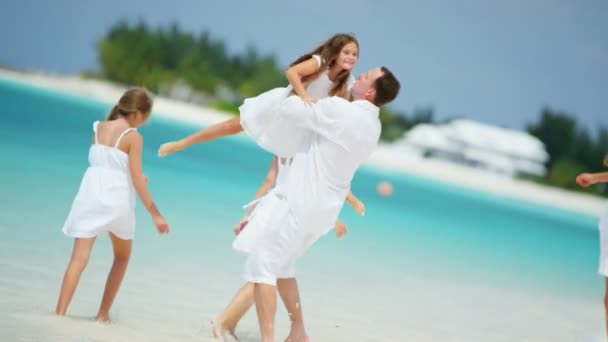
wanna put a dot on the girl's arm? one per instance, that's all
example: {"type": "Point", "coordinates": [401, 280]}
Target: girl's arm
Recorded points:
{"type": "Point", "coordinates": [135, 141]}
{"type": "Point", "coordinates": [297, 72]}
{"type": "Point", "coordinates": [355, 203]}
{"type": "Point", "coordinates": [586, 179]}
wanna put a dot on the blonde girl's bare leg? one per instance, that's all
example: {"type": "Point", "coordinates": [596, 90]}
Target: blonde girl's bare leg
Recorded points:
{"type": "Point", "coordinates": [78, 261]}
{"type": "Point", "coordinates": [122, 254]}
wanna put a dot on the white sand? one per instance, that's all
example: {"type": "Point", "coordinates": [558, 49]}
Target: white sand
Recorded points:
{"type": "Point", "coordinates": [174, 304]}
{"type": "Point", "coordinates": [385, 157]}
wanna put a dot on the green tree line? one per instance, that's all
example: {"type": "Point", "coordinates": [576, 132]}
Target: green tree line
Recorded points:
{"type": "Point", "coordinates": [138, 54]}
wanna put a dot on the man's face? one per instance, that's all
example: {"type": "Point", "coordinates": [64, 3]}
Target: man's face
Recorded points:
{"type": "Point", "coordinates": [364, 85]}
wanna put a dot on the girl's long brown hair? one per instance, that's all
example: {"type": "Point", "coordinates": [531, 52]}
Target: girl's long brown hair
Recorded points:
{"type": "Point", "coordinates": [329, 52]}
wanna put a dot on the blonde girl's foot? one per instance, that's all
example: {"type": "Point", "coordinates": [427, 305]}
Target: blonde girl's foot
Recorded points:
{"type": "Point", "coordinates": [103, 320]}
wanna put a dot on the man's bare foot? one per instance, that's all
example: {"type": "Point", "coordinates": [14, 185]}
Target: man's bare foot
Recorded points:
{"type": "Point", "coordinates": [222, 332]}
{"type": "Point", "coordinates": [297, 336]}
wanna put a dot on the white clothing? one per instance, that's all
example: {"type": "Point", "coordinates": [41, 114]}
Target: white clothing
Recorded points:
{"type": "Point", "coordinates": [282, 170]}
{"type": "Point", "coordinates": [275, 213]}
{"type": "Point", "coordinates": [344, 135]}
{"type": "Point", "coordinates": [306, 205]}
{"type": "Point", "coordinates": [106, 199]}
{"type": "Point", "coordinates": [260, 118]}
{"type": "Point", "coordinates": [271, 241]}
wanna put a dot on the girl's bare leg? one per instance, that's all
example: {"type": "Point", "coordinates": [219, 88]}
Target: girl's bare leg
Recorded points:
{"type": "Point", "coordinates": [222, 129]}
{"type": "Point", "coordinates": [80, 258]}
{"type": "Point", "coordinates": [122, 253]}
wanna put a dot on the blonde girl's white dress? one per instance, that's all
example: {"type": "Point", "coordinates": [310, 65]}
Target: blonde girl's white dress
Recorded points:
{"type": "Point", "coordinates": [263, 123]}
{"type": "Point", "coordinates": [105, 201]}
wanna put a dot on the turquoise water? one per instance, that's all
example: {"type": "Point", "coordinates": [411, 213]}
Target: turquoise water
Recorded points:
{"type": "Point", "coordinates": [426, 229]}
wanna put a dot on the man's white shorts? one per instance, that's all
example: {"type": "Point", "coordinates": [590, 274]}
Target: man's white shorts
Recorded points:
{"type": "Point", "coordinates": [272, 241]}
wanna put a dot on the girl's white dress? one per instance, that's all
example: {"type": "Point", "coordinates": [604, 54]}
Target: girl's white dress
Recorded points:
{"type": "Point", "coordinates": [106, 199]}
{"type": "Point", "coordinates": [263, 123]}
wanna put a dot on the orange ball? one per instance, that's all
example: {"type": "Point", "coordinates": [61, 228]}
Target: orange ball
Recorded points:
{"type": "Point", "coordinates": [385, 188]}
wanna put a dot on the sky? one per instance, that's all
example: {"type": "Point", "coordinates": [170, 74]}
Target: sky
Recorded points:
{"type": "Point", "coordinates": [495, 61]}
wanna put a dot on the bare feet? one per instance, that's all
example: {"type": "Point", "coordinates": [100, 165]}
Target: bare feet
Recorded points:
{"type": "Point", "coordinates": [168, 148]}
{"type": "Point", "coordinates": [297, 335]}
{"type": "Point", "coordinates": [101, 319]}
{"type": "Point", "coordinates": [222, 332]}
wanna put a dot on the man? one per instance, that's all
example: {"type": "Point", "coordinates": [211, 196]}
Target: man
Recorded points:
{"type": "Point", "coordinates": [291, 218]}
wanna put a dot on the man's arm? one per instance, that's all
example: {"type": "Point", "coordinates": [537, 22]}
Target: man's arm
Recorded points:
{"type": "Point", "coordinates": [320, 117]}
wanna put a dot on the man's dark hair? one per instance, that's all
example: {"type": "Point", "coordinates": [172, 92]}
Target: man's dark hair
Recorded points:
{"type": "Point", "coordinates": [387, 87]}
